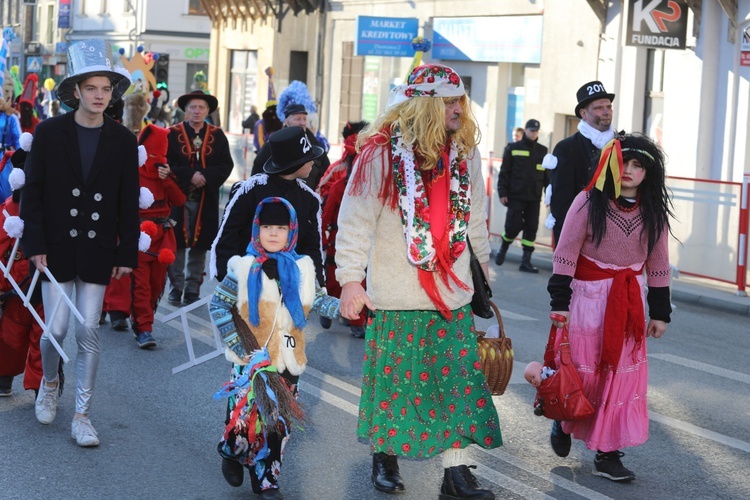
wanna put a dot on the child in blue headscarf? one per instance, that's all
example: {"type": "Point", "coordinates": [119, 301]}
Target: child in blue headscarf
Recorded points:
{"type": "Point", "coordinates": [260, 310]}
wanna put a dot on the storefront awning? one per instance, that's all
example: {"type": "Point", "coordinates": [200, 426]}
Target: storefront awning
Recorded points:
{"type": "Point", "coordinates": [251, 10]}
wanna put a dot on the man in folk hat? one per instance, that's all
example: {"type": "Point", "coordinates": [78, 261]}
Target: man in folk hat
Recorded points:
{"type": "Point", "coordinates": [283, 176]}
{"type": "Point", "coordinates": [80, 208]}
{"type": "Point", "coordinates": [520, 184]}
{"type": "Point", "coordinates": [199, 156]}
{"type": "Point", "coordinates": [574, 159]}
{"type": "Point", "coordinates": [413, 204]}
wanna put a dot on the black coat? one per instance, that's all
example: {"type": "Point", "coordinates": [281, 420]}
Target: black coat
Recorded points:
{"type": "Point", "coordinates": [577, 158]}
{"type": "Point", "coordinates": [320, 164]}
{"type": "Point", "coordinates": [522, 176]}
{"type": "Point", "coordinates": [215, 164]}
{"type": "Point", "coordinates": [85, 227]}
{"type": "Point", "coordinates": [238, 224]}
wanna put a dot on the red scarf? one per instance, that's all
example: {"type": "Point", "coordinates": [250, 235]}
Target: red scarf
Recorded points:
{"type": "Point", "coordinates": [624, 314]}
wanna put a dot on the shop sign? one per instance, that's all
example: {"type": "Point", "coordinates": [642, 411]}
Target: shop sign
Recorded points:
{"type": "Point", "coordinates": [63, 14]}
{"type": "Point", "coordinates": [657, 24]}
{"type": "Point", "coordinates": [386, 36]}
{"type": "Point", "coordinates": [514, 39]}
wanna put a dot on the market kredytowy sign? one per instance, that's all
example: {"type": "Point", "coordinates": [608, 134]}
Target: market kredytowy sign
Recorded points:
{"type": "Point", "coordinates": [385, 36]}
{"type": "Point", "coordinates": [659, 24]}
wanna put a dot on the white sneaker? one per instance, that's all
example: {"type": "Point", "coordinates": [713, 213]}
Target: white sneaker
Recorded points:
{"type": "Point", "coordinates": [83, 432]}
{"type": "Point", "coordinates": [45, 407]}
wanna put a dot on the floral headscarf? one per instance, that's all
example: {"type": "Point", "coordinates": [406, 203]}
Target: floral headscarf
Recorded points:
{"type": "Point", "coordinates": [286, 260]}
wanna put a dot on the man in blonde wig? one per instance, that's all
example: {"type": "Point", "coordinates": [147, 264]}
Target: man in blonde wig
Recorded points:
{"type": "Point", "coordinates": [415, 199]}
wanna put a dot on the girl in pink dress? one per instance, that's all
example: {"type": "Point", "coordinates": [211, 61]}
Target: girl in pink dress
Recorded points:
{"type": "Point", "coordinates": [614, 242]}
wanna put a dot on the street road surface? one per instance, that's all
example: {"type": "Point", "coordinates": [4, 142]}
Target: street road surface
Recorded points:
{"type": "Point", "coordinates": [159, 431]}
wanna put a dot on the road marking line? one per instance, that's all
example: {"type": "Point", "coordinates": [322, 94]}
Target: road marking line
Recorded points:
{"type": "Point", "coordinates": [700, 431]}
{"type": "Point", "coordinates": [484, 472]}
{"type": "Point", "coordinates": [329, 398]}
{"type": "Point", "coordinates": [352, 389]}
{"type": "Point", "coordinates": [544, 474]}
{"type": "Point", "coordinates": [511, 484]}
{"type": "Point", "coordinates": [697, 365]}
{"type": "Point", "coordinates": [516, 316]}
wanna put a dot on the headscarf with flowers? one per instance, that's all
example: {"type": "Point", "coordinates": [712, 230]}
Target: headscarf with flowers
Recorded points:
{"type": "Point", "coordinates": [286, 260]}
{"type": "Point", "coordinates": [435, 208]}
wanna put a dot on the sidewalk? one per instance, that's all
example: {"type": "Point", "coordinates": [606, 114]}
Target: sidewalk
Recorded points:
{"type": "Point", "coordinates": [686, 290]}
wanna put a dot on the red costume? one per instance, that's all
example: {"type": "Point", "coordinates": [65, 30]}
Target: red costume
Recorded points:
{"type": "Point", "coordinates": [19, 332]}
{"type": "Point", "coordinates": [150, 276]}
{"type": "Point", "coordinates": [139, 292]}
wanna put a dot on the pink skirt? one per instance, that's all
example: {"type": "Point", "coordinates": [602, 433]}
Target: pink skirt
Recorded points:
{"type": "Point", "coordinates": [619, 397]}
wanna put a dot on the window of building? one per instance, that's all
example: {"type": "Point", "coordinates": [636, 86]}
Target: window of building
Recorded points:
{"type": "Point", "coordinates": [298, 66]}
{"type": "Point", "coordinates": [653, 116]}
{"type": "Point", "coordinates": [243, 88]}
{"type": "Point", "coordinates": [190, 82]}
{"type": "Point", "coordinates": [50, 24]}
{"type": "Point", "coordinates": [195, 8]}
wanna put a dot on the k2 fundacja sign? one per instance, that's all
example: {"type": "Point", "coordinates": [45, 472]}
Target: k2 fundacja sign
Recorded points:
{"type": "Point", "coordinates": [658, 24]}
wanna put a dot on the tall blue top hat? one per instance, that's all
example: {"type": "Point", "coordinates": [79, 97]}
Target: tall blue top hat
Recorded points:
{"type": "Point", "coordinates": [92, 58]}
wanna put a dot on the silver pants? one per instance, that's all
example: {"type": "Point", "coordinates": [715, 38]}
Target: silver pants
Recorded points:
{"type": "Point", "coordinates": [196, 258]}
{"type": "Point", "coordinates": [89, 297]}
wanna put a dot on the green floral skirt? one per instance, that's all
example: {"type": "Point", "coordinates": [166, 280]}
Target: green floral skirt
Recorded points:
{"type": "Point", "coordinates": [423, 390]}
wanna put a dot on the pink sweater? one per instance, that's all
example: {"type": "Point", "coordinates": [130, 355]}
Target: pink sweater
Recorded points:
{"type": "Point", "coordinates": [623, 244]}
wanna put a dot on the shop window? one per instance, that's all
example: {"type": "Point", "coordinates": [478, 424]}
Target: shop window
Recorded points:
{"type": "Point", "coordinates": [195, 8]}
{"type": "Point", "coordinates": [298, 66]}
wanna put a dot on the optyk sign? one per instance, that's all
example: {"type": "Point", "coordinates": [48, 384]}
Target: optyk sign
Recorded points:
{"type": "Point", "coordinates": [659, 24]}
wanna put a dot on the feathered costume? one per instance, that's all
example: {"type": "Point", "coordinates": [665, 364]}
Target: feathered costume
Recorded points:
{"type": "Point", "coordinates": [260, 310]}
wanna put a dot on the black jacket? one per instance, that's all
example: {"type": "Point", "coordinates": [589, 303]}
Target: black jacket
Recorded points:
{"type": "Point", "coordinates": [522, 176]}
{"type": "Point", "coordinates": [576, 161]}
{"type": "Point", "coordinates": [215, 164]}
{"type": "Point", "coordinates": [85, 227]}
{"type": "Point", "coordinates": [238, 224]}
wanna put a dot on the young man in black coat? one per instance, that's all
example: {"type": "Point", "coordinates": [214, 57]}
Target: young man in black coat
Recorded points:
{"type": "Point", "coordinates": [80, 209]}
{"type": "Point", "coordinates": [576, 157]}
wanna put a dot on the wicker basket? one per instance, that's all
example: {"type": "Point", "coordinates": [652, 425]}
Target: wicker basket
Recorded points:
{"type": "Point", "coordinates": [496, 356]}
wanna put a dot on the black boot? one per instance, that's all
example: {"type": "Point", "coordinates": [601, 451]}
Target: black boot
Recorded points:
{"type": "Point", "coordinates": [232, 471]}
{"type": "Point", "coordinates": [500, 257]}
{"type": "Point", "coordinates": [526, 261]}
{"type": "Point", "coordinates": [385, 474]}
{"type": "Point", "coordinates": [459, 482]}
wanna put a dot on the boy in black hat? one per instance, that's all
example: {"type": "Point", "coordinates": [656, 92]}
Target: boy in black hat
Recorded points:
{"type": "Point", "coordinates": [520, 184]}
{"type": "Point", "coordinates": [574, 159]}
{"type": "Point", "coordinates": [295, 115]}
{"type": "Point", "coordinates": [291, 161]}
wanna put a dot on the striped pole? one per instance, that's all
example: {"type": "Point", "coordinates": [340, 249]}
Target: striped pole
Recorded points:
{"type": "Point", "coordinates": [742, 244]}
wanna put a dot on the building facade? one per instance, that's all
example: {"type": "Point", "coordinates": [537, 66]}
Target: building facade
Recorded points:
{"type": "Point", "coordinates": [693, 99]}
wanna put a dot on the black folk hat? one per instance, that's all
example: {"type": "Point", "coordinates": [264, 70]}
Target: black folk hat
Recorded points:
{"type": "Point", "coordinates": [212, 102]}
{"type": "Point", "coordinates": [290, 149]}
{"type": "Point", "coordinates": [294, 109]}
{"type": "Point", "coordinates": [589, 93]}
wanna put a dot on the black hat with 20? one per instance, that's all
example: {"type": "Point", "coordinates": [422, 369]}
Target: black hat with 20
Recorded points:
{"type": "Point", "coordinates": [590, 92]}
{"type": "Point", "coordinates": [290, 149]}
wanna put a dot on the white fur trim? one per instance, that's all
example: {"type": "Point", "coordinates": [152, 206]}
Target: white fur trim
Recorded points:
{"type": "Point", "coordinates": [13, 226]}
{"type": "Point", "coordinates": [146, 198]}
{"type": "Point", "coordinates": [142, 155]}
{"type": "Point", "coordinates": [233, 358]}
{"type": "Point", "coordinates": [549, 161]}
{"type": "Point", "coordinates": [548, 195]}
{"type": "Point", "coordinates": [17, 178]}
{"type": "Point", "coordinates": [320, 221]}
{"type": "Point", "coordinates": [25, 141]}
{"type": "Point", "coordinates": [246, 185]}
{"type": "Point", "coordinates": [144, 242]}
{"type": "Point", "coordinates": [549, 222]}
